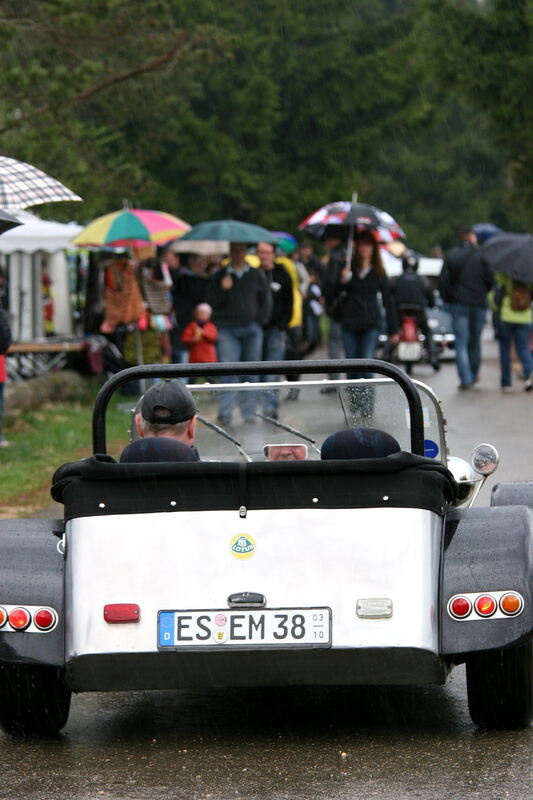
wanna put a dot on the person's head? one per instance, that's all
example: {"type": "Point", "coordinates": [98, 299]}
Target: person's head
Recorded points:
{"type": "Point", "coordinates": [167, 409]}
{"type": "Point", "coordinates": [237, 254]}
{"type": "Point", "coordinates": [409, 261]}
{"type": "Point", "coordinates": [366, 252]}
{"type": "Point", "coordinates": [466, 235]}
{"type": "Point", "coordinates": [335, 235]}
{"type": "Point", "coordinates": [286, 452]}
{"type": "Point", "coordinates": [202, 312]}
{"type": "Point", "coordinates": [358, 443]}
{"type": "Point", "coordinates": [266, 253]}
{"type": "Point", "coordinates": [306, 252]}
{"type": "Point", "coordinates": [170, 258]}
{"type": "Point", "coordinates": [157, 449]}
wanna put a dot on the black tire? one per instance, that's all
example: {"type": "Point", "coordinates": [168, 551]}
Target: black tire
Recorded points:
{"type": "Point", "coordinates": [34, 699]}
{"type": "Point", "coordinates": [408, 367]}
{"type": "Point", "coordinates": [500, 687]}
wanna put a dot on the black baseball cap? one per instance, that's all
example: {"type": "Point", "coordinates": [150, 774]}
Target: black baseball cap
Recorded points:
{"type": "Point", "coordinates": [167, 403]}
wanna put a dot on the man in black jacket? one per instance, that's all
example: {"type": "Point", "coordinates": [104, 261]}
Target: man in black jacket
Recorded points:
{"type": "Point", "coordinates": [463, 285]}
{"type": "Point", "coordinates": [242, 304]}
{"type": "Point", "coordinates": [275, 329]}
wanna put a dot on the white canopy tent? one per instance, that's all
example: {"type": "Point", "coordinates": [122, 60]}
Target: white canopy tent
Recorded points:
{"type": "Point", "coordinates": [22, 252]}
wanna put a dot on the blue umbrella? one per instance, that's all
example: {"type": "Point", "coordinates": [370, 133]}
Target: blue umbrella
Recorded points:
{"type": "Point", "coordinates": [485, 230]}
{"type": "Point", "coordinates": [228, 230]}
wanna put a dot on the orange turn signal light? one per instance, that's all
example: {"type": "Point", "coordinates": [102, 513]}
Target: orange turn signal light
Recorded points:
{"type": "Point", "coordinates": [511, 604]}
{"type": "Point", "coordinates": [3, 616]}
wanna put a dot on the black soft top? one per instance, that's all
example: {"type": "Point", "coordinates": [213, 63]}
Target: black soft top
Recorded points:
{"type": "Point", "coordinates": [99, 486]}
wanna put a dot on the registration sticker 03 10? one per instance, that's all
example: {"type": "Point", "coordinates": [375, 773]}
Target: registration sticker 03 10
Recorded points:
{"type": "Point", "coordinates": [244, 629]}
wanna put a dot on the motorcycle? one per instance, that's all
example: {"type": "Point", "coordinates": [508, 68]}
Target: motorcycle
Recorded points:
{"type": "Point", "coordinates": [412, 348]}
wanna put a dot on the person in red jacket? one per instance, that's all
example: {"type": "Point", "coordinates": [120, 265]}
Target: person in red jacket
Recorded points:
{"type": "Point", "coordinates": [200, 336]}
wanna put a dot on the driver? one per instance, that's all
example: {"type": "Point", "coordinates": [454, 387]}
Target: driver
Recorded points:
{"type": "Point", "coordinates": [286, 452]}
{"type": "Point", "coordinates": [167, 410]}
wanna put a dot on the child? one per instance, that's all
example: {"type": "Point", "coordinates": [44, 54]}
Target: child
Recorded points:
{"type": "Point", "coordinates": [200, 336]}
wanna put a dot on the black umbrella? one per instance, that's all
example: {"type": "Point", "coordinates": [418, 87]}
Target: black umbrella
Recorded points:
{"type": "Point", "coordinates": [7, 222]}
{"type": "Point", "coordinates": [511, 253]}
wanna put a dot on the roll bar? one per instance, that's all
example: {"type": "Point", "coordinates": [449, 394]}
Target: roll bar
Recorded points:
{"type": "Point", "coordinates": [219, 370]}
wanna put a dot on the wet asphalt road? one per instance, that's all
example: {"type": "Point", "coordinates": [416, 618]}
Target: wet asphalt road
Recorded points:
{"type": "Point", "coordinates": [389, 743]}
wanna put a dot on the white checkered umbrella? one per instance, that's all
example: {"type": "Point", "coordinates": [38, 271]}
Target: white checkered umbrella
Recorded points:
{"type": "Point", "coordinates": [23, 185]}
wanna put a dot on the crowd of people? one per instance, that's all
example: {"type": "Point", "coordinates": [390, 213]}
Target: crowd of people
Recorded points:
{"type": "Point", "coordinates": [263, 304]}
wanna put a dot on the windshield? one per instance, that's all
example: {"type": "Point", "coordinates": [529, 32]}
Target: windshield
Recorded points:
{"type": "Point", "coordinates": [307, 413]}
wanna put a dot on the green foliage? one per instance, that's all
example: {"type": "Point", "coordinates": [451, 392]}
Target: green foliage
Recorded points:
{"type": "Point", "coordinates": [266, 109]}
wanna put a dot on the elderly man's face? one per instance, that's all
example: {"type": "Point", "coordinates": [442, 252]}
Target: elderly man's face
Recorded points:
{"type": "Point", "coordinates": [266, 255]}
{"type": "Point", "coordinates": [286, 452]}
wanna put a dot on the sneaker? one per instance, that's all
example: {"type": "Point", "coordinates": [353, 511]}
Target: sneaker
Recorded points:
{"type": "Point", "coordinates": [5, 443]}
{"type": "Point", "coordinates": [528, 383]}
{"type": "Point", "coordinates": [223, 420]}
{"type": "Point", "coordinates": [507, 389]}
{"type": "Point", "coordinates": [465, 386]}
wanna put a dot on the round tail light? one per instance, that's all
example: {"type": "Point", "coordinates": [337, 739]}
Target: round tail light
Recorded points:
{"type": "Point", "coordinates": [19, 618]}
{"type": "Point", "coordinates": [460, 607]}
{"type": "Point", "coordinates": [3, 616]}
{"type": "Point", "coordinates": [44, 619]}
{"type": "Point", "coordinates": [485, 605]}
{"type": "Point", "coordinates": [511, 604]}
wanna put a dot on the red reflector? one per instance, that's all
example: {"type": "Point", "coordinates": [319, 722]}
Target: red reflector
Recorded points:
{"type": "Point", "coordinates": [3, 616]}
{"type": "Point", "coordinates": [44, 619]}
{"type": "Point", "coordinates": [485, 605]}
{"type": "Point", "coordinates": [19, 619]}
{"type": "Point", "coordinates": [122, 612]}
{"type": "Point", "coordinates": [460, 607]}
{"type": "Point", "coordinates": [511, 603]}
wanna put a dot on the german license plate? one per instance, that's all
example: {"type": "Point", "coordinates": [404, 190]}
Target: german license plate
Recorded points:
{"type": "Point", "coordinates": [409, 351]}
{"type": "Point", "coordinates": [230, 628]}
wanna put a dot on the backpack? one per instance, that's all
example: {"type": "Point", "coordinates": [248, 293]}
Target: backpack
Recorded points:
{"type": "Point", "coordinates": [520, 297]}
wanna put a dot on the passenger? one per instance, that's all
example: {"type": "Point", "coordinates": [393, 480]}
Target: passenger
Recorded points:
{"type": "Point", "coordinates": [286, 452]}
{"type": "Point", "coordinates": [167, 410]}
{"type": "Point", "coordinates": [154, 449]}
{"type": "Point", "coordinates": [358, 443]}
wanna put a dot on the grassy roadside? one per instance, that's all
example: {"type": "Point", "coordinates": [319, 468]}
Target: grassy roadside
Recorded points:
{"type": "Point", "coordinates": [47, 437]}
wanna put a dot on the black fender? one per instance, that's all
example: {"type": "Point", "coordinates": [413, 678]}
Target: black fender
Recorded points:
{"type": "Point", "coordinates": [484, 550]}
{"type": "Point", "coordinates": [512, 493]}
{"type": "Point", "coordinates": [31, 573]}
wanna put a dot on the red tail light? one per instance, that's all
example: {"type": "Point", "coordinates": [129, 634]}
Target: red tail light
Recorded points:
{"type": "Point", "coordinates": [485, 605]}
{"type": "Point", "coordinates": [3, 616]}
{"type": "Point", "coordinates": [460, 607]}
{"type": "Point", "coordinates": [19, 618]}
{"type": "Point", "coordinates": [44, 619]}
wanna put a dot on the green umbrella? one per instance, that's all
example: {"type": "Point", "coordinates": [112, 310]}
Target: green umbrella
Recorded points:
{"type": "Point", "coordinates": [229, 230]}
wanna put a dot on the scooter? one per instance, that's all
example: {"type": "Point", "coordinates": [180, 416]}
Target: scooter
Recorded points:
{"type": "Point", "coordinates": [409, 350]}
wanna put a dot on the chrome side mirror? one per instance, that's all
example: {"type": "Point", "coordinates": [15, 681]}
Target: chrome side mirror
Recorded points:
{"type": "Point", "coordinates": [285, 452]}
{"type": "Point", "coordinates": [485, 459]}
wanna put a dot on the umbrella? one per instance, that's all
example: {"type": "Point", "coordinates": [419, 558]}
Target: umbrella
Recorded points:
{"type": "Point", "coordinates": [23, 185]}
{"type": "Point", "coordinates": [511, 253]}
{"type": "Point", "coordinates": [7, 222]}
{"type": "Point", "coordinates": [131, 226]}
{"type": "Point", "coordinates": [229, 230]}
{"type": "Point", "coordinates": [286, 241]}
{"type": "Point", "coordinates": [485, 231]}
{"type": "Point", "coordinates": [350, 214]}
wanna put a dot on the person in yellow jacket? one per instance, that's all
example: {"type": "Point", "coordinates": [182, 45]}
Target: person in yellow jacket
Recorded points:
{"type": "Point", "coordinates": [511, 302]}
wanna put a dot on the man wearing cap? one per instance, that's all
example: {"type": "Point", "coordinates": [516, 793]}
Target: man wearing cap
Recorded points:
{"type": "Point", "coordinates": [166, 410]}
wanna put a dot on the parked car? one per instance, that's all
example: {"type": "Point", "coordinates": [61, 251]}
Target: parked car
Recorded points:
{"type": "Point", "coordinates": [332, 568]}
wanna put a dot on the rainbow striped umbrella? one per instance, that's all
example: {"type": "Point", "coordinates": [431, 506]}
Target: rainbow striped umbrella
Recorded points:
{"type": "Point", "coordinates": [132, 226]}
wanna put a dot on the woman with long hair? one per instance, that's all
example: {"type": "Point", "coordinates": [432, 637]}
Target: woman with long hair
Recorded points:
{"type": "Point", "coordinates": [366, 293]}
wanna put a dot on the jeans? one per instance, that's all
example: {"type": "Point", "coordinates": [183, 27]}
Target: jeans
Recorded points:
{"type": "Point", "coordinates": [519, 334]}
{"type": "Point", "coordinates": [274, 343]}
{"type": "Point", "coordinates": [467, 323]}
{"type": "Point", "coordinates": [360, 344]}
{"type": "Point", "coordinates": [243, 343]}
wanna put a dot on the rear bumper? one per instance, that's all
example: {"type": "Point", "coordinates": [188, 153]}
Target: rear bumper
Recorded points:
{"type": "Point", "coordinates": [194, 670]}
